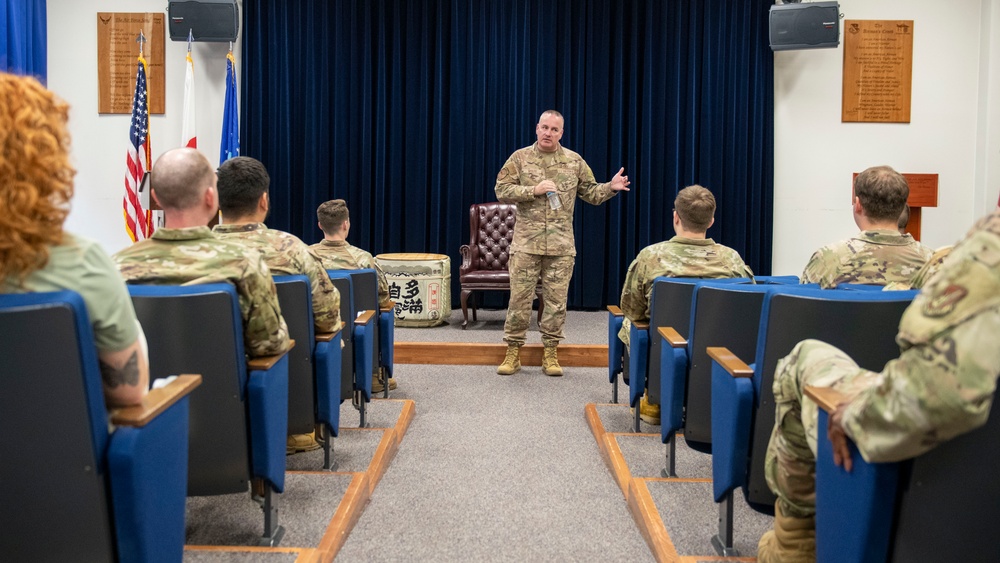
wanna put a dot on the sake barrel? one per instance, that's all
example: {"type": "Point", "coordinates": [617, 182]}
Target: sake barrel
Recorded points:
{"type": "Point", "coordinates": [420, 284]}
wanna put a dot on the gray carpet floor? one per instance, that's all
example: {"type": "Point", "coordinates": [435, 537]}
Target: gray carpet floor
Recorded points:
{"type": "Point", "coordinates": [305, 509]}
{"type": "Point", "coordinates": [243, 557]}
{"type": "Point", "coordinates": [691, 518]}
{"type": "Point", "coordinates": [497, 469]}
{"type": "Point", "coordinates": [582, 327]}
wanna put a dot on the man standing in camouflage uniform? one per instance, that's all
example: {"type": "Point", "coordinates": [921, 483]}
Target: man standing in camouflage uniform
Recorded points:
{"type": "Point", "coordinates": [243, 185]}
{"type": "Point", "coordinates": [185, 252]}
{"type": "Point", "coordinates": [941, 385]}
{"type": "Point", "coordinates": [544, 181]}
{"type": "Point", "coordinates": [690, 254]}
{"type": "Point", "coordinates": [879, 254]}
{"type": "Point", "coordinates": [335, 253]}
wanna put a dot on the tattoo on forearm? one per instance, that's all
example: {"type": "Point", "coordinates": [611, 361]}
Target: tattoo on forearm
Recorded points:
{"type": "Point", "coordinates": [128, 374]}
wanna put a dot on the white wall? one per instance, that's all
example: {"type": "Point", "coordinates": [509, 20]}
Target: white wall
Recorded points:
{"type": "Point", "coordinates": [953, 130]}
{"type": "Point", "coordinates": [100, 141]}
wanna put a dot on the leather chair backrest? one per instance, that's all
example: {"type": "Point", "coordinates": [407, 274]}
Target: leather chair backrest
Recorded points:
{"type": "Point", "coordinates": [491, 228]}
{"type": "Point", "coordinates": [949, 508]}
{"type": "Point", "coordinates": [52, 388]}
{"type": "Point", "coordinates": [295, 299]}
{"type": "Point", "coordinates": [861, 323]}
{"type": "Point", "coordinates": [199, 329]}
{"type": "Point", "coordinates": [724, 315]}
{"type": "Point", "coordinates": [342, 281]}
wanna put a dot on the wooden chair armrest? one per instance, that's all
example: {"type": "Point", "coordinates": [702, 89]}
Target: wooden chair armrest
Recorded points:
{"type": "Point", "coordinates": [155, 402]}
{"type": "Point", "coordinates": [672, 337]}
{"type": "Point", "coordinates": [826, 397]}
{"type": "Point", "coordinates": [614, 310]}
{"type": "Point", "coordinates": [388, 308]}
{"type": "Point", "coordinates": [264, 363]}
{"type": "Point", "coordinates": [735, 366]}
{"type": "Point", "coordinates": [641, 325]}
{"type": "Point", "coordinates": [364, 318]}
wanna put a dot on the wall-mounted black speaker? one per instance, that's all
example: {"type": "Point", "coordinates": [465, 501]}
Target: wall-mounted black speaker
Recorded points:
{"type": "Point", "coordinates": [815, 25]}
{"type": "Point", "coordinates": [208, 20]}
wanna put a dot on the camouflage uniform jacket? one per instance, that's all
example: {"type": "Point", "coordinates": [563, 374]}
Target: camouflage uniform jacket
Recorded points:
{"type": "Point", "coordinates": [342, 255]}
{"type": "Point", "coordinates": [678, 257]}
{"type": "Point", "coordinates": [195, 256]}
{"type": "Point", "coordinates": [540, 229]}
{"type": "Point", "coordinates": [870, 257]}
{"type": "Point", "coordinates": [285, 254]}
{"type": "Point", "coordinates": [942, 384]}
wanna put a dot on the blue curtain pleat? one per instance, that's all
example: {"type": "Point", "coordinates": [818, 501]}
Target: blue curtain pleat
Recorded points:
{"type": "Point", "coordinates": [23, 38]}
{"type": "Point", "coordinates": [407, 109]}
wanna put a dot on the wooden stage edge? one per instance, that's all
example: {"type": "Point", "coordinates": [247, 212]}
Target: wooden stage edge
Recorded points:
{"type": "Point", "coordinates": [457, 353]}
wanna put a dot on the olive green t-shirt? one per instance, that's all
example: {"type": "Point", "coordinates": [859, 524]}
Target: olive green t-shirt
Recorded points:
{"type": "Point", "coordinates": [82, 266]}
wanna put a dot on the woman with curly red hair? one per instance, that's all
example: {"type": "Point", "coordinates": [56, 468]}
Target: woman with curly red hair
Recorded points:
{"type": "Point", "coordinates": [36, 184]}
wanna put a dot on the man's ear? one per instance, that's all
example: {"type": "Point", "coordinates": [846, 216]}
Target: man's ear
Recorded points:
{"type": "Point", "coordinates": [263, 203]}
{"type": "Point", "coordinates": [858, 208]}
{"type": "Point", "coordinates": [152, 194]}
{"type": "Point", "coordinates": [710, 223]}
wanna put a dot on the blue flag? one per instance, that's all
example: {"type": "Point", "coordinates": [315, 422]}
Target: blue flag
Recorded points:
{"type": "Point", "coordinates": [230, 115]}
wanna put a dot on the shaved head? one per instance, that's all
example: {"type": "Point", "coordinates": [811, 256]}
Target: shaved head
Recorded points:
{"type": "Point", "coordinates": [180, 177]}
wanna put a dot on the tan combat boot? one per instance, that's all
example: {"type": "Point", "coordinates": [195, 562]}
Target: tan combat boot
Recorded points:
{"type": "Point", "coordinates": [512, 361]}
{"type": "Point", "coordinates": [550, 362]}
{"type": "Point", "coordinates": [793, 540]}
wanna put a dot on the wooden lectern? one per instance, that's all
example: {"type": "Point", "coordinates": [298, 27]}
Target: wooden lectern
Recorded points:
{"type": "Point", "coordinates": [923, 193]}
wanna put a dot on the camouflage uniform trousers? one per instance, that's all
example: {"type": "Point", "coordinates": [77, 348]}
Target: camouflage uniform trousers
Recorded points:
{"type": "Point", "coordinates": [790, 463]}
{"type": "Point", "coordinates": [524, 269]}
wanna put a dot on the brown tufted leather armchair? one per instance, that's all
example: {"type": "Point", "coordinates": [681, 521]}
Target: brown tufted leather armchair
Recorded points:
{"type": "Point", "coordinates": [484, 259]}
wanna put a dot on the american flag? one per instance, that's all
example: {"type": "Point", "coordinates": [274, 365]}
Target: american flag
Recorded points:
{"type": "Point", "coordinates": [137, 220]}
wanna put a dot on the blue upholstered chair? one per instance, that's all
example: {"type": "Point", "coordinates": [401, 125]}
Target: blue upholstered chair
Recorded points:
{"type": "Point", "coordinates": [313, 366]}
{"type": "Point", "coordinates": [861, 323]}
{"type": "Point", "coordinates": [670, 306]}
{"type": "Point", "coordinates": [239, 417]}
{"type": "Point", "coordinates": [940, 506]}
{"type": "Point", "coordinates": [95, 494]}
{"type": "Point", "coordinates": [365, 282]}
{"type": "Point", "coordinates": [725, 314]}
{"type": "Point", "coordinates": [358, 357]}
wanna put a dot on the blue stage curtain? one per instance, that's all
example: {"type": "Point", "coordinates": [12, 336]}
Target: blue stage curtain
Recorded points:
{"type": "Point", "coordinates": [23, 39]}
{"type": "Point", "coordinates": [408, 108]}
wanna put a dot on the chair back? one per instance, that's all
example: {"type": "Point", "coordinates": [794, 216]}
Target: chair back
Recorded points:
{"type": "Point", "coordinates": [670, 305]}
{"type": "Point", "coordinates": [199, 329]}
{"type": "Point", "coordinates": [348, 312]}
{"type": "Point", "coordinates": [52, 388]}
{"type": "Point", "coordinates": [863, 324]}
{"type": "Point", "coordinates": [364, 283]}
{"type": "Point", "coordinates": [948, 507]}
{"type": "Point", "coordinates": [295, 299]}
{"type": "Point", "coordinates": [491, 230]}
{"type": "Point", "coordinates": [726, 315]}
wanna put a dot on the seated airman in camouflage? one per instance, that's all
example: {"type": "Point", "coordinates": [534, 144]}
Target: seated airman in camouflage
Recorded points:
{"type": "Point", "coordinates": [941, 385]}
{"type": "Point", "coordinates": [879, 254]}
{"type": "Point", "coordinates": [185, 251]}
{"type": "Point", "coordinates": [335, 253]}
{"type": "Point", "coordinates": [690, 254]}
{"type": "Point", "coordinates": [244, 202]}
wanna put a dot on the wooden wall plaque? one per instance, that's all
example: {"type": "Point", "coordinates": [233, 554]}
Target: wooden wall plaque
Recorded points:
{"type": "Point", "coordinates": [117, 60]}
{"type": "Point", "coordinates": [878, 70]}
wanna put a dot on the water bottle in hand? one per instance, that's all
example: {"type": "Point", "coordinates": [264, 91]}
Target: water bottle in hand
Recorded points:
{"type": "Point", "coordinates": [554, 202]}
